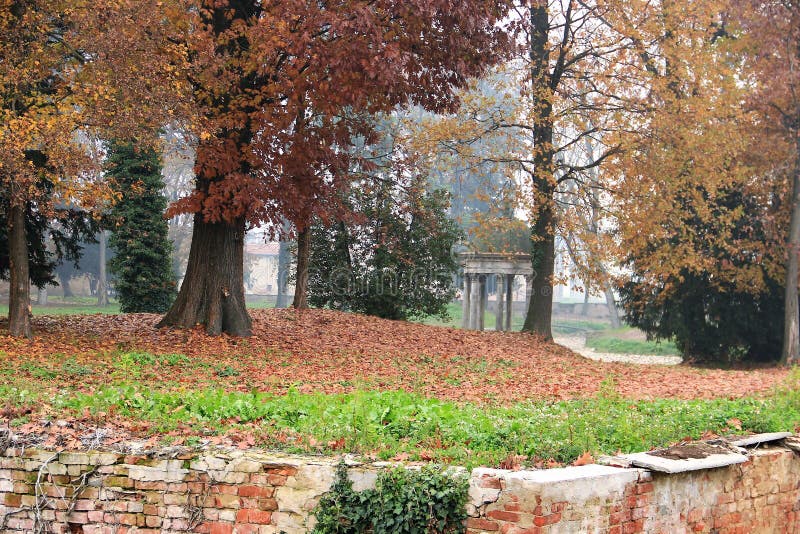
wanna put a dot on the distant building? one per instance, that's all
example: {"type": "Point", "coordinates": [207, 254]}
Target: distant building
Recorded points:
{"type": "Point", "coordinates": [261, 268]}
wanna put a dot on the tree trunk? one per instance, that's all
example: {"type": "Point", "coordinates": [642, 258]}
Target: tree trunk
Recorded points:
{"type": "Point", "coordinates": [303, 254]}
{"type": "Point", "coordinates": [64, 282]}
{"type": "Point", "coordinates": [791, 314]}
{"type": "Point", "coordinates": [540, 308]}
{"type": "Point", "coordinates": [283, 273]}
{"type": "Point", "coordinates": [41, 298]}
{"type": "Point", "coordinates": [19, 305]}
{"type": "Point", "coordinates": [212, 293]}
{"type": "Point", "coordinates": [102, 281]}
{"type": "Point", "coordinates": [585, 308]}
{"type": "Point", "coordinates": [611, 303]}
{"type": "Point", "coordinates": [284, 263]}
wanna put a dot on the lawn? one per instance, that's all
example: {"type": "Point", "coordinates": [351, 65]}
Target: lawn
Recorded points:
{"type": "Point", "coordinates": [324, 381]}
{"type": "Point", "coordinates": [627, 340]}
{"type": "Point", "coordinates": [68, 306]}
{"type": "Point", "coordinates": [561, 325]}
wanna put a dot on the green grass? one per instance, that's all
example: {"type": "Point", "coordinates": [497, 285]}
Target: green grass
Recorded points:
{"type": "Point", "coordinates": [614, 341]}
{"type": "Point", "coordinates": [71, 306]}
{"type": "Point", "coordinates": [383, 424]}
{"type": "Point", "coordinates": [88, 305]}
{"type": "Point", "coordinates": [560, 325]}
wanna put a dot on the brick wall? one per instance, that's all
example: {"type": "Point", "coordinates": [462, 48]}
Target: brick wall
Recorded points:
{"type": "Point", "coordinates": [251, 492]}
{"type": "Point", "coordinates": [761, 495]}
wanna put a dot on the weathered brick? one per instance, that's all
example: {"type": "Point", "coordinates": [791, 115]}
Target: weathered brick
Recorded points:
{"type": "Point", "coordinates": [255, 491]}
{"type": "Point", "coordinates": [13, 500]}
{"type": "Point", "coordinates": [277, 480]}
{"type": "Point", "coordinates": [176, 498]}
{"type": "Point", "coordinates": [84, 504]}
{"type": "Point", "coordinates": [120, 482]}
{"type": "Point", "coordinates": [227, 501]}
{"type": "Point", "coordinates": [488, 481]}
{"type": "Point", "coordinates": [95, 516]}
{"type": "Point", "coordinates": [482, 524]}
{"type": "Point", "coordinates": [221, 528]}
{"type": "Point", "coordinates": [135, 507]}
{"type": "Point", "coordinates": [78, 517]}
{"type": "Point", "coordinates": [226, 489]}
{"type": "Point", "coordinates": [260, 517]}
{"type": "Point", "coordinates": [175, 511]}
{"type": "Point", "coordinates": [503, 515]}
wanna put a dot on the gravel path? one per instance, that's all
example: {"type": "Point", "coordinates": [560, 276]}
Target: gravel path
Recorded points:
{"type": "Point", "coordinates": [577, 344]}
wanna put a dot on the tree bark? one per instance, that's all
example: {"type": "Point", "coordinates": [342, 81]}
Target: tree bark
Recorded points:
{"type": "Point", "coordinates": [19, 305]}
{"type": "Point", "coordinates": [283, 273]}
{"type": "Point", "coordinates": [540, 308]}
{"type": "Point", "coordinates": [613, 311]}
{"type": "Point", "coordinates": [585, 307]}
{"type": "Point", "coordinates": [102, 279]}
{"type": "Point", "coordinates": [212, 292]}
{"type": "Point", "coordinates": [303, 255]}
{"type": "Point", "coordinates": [791, 314]}
{"type": "Point", "coordinates": [64, 283]}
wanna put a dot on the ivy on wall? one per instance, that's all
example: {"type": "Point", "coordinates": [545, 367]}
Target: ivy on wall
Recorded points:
{"type": "Point", "coordinates": [403, 502]}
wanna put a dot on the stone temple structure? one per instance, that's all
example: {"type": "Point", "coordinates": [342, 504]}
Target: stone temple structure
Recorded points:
{"type": "Point", "coordinates": [478, 266]}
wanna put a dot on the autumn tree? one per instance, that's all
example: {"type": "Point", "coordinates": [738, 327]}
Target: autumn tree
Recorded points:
{"type": "Point", "coordinates": [280, 87]}
{"type": "Point", "coordinates": [68, 67]}
{"type": "Point", "coordinates": [713, 315]}
{"type": "Point", "coordinates": [565, 87]}
{"type": "Point", "coordinates": [139, 233]}
{"type": "Point", "coordinates": [772, 29]}
{"type": "Point", "coordinates": [700, 209]}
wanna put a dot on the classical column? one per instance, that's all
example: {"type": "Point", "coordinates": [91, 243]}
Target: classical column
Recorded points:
{"type": "Point", "coordinates": [465, 301]}
{"type": "Point", "coordinates": [475, 302]}
{"type": "Point", "coordinates": [500, 291]}
{"type": "Point", "coordinates": [509, 299]}
{"type": "Point", "coordinates": [482, 297]}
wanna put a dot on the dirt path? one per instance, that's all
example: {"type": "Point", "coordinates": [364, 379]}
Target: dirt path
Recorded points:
{"type": "Point", "coordinates": [577, 343]}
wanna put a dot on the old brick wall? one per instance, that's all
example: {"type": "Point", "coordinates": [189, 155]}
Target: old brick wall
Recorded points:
{"type": "Point", "coordinates": [761, 495]}
{"type": "Point", "coordinates": [224, 491]}
{"type": "Point", "coordinates": [218, 493]}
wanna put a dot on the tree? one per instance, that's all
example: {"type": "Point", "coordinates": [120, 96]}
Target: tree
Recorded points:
{"type": "Point", "coordinates": [712, 316]}
{"type": "Point", "coordinates": [54, 236]}
{"type": "Point", "coordinates": [86, 263]}
{"type": "Point", "coordinates": [139, 235]}
{"type": "Point", "coordinates": [563, 87]}
{"type": "Point", "coordinates": [68, 66]}
{"type": "Point", "coordinates": [772, 29]}
{"type": "Point", "coordinates": [393, 260]}
{"type": "Point", "coordinates": [703, 203]}
{"type": "Point", "coordinates": [279, 87]}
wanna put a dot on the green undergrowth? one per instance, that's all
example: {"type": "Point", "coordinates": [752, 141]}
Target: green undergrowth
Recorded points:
{"type": "Point", "coordinates": [398, 424]}
{"type": "Point", "coordinates": [403, 502]}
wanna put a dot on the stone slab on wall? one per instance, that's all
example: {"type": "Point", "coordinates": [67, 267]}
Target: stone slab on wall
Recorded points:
{"type": "Point", "coordinates": [231, 491]}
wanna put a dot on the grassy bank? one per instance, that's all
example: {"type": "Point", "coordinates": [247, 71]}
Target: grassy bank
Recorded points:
{"type": "Point", "coordinates": [397, 424]}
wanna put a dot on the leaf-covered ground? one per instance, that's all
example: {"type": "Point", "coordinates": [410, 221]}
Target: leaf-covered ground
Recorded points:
{"type": "Point", "coordinates": [332, 352]}
{"type": "Point", "coordinates": [329, 382]}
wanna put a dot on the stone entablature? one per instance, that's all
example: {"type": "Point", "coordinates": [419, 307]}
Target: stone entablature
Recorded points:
{"type": "Point", "coordinates": [477, 266]}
